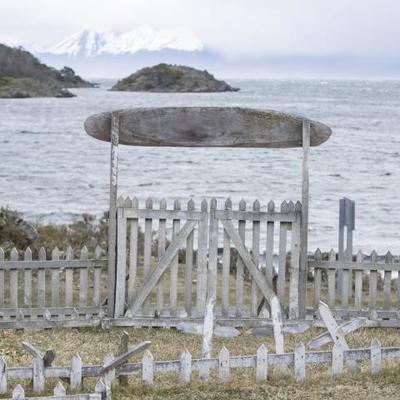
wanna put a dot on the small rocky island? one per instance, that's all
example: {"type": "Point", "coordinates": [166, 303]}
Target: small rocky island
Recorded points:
{"type": "Point", "coordinates": [172, 78]}
{"type": "Point", "coordinates": [22, 75]}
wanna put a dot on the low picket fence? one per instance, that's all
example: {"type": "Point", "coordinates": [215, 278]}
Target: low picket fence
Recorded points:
{"type": "Point", "coordinates": [370, 286]}
{"type": "Point", "coordinates": [45, 293]}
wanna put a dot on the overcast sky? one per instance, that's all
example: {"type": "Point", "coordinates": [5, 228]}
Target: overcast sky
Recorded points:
{"type": "Point", "coordinates": [283, 27]}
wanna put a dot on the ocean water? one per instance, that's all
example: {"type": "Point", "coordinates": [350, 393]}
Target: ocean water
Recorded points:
{"type": "Point", "coordinates": [51, 170]}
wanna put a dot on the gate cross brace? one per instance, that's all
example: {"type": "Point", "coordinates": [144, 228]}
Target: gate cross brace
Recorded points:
{"type": "Point", "coordinates": [162, 265]}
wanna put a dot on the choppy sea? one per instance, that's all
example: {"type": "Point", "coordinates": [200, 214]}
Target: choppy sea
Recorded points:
{"type": "Point", "coordinates": [51, 170]}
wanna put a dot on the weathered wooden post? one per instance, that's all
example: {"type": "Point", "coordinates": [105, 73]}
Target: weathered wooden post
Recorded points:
{"type": "Point", "coordinates": [112, 217]}
{"type": "Point", "coordinates": [305, 194]}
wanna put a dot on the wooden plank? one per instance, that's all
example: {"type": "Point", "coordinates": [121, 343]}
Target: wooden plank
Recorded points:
{"type": "Point", "coordinates": [109, 375]}
{"type": "Point", "coordinates": [305, 194]}
{"type": "Point", "coordinates": [373, 284]}
{"type": "Point", "coordinates": [160, 253]}
{"type": "Point", "coordinates": [387, 283]}
{"type": "Point", "coordinates": [261, 364]}
{"type": "Point", "coordinates": [276, 315]}
{"type": "Point", "coordinates": [206, 127]}
{"type": "Point", "coordinates": [376, 357]}
{"type": "Point", "coordinates": [317, 280]}
{"type": "Point", "coordinates": [332, 281]}
{"type": "Point", "coordinates": [59, 390]}
{"type": "Point", "coordinates": [3, 376]}
{"type": "Point", "coordinates": [18, 392]}
{"type": "Point", "coordinates": [269, 257]}
{"type": "Point", "coordinates": [295, 265]}
{"type": "Point", "coordinates": [337, 359]}
{"type": "Point", "coordinates": [122, 349]}
{"type": "Point", "coordinates": [173, 292]}
{"type": "Point", "coordinates": [240, 264]}
{"type": "Point", "coordinates": [213, 251]}
{"type": "Point", "coordinates": [189, 265]}
{"type": "Point", "coordinates": [208, 329]}
{"type": "Point", "coordinates": [224, 365]}
{"type": "Point", "coordinates": [112, 218]}
{"type": "Point", "coordinates": [148, 368]}
{"type": "Point", "coordinates": [201, 286]}
{"type": "Point", "coordinates": [75, 379]}
{"type": "Point", "coordinates": [97, 278]}
{"type": "Point", "coordinates": [226, 263]}
{"type": "Point", "coordinates": [263, 285]}
{"type": "Point", "coordinates": [358, 282]}
{"type": "Point", "coordinates": [300, 362]}
{"type": "Point", "coordinates": [1, 279]}
{"type": "Point", "coordinates": [163, 263]}
{"type": "Point", "coordinates": [28, 280]}
{"type": "Point", "coordinates": [133, 252]}
{"type": "Point", "coordinates": [185, 367]}
{"type": "Point", "coordinates": [55, 280]}
{"type": "Point", "coordinates": [69, 276]}
{"type": "Point", "coordinates": [256, 257]}
{"type": "Point", "coordinates": [83, 280]}
{"type": "Point", "coordinates": [38, 375]}
{"type": "Point", "coordinates": [148, 239]}
{"type": "Point", "coordinates": [14, 280]}
{"type": "Point", "coordinates": [120, 278]}
{"type": "Point", "coordinates": [280, 289]}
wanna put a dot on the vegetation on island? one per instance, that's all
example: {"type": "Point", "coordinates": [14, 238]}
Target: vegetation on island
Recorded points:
{"type": "Point", "coordinates": [22, 75]}
{"type": "Point", "coordinates": [172, 78]}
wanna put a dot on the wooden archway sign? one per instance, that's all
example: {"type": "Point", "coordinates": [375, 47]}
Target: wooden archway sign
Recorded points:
{"type": "Point", "coordinates": [205, 127]}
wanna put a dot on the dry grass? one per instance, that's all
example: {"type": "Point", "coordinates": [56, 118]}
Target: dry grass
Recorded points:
{"type": "Point", "coordinates": [167, 344]}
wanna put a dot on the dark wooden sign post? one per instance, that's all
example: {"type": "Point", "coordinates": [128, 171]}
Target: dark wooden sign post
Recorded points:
{"type": "Point", "coordinates": [206, 127]}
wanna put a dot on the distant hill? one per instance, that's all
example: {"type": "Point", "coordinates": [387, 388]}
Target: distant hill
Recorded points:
{"type": "Point", "coordinates": [172, 78]}
{"type": "Point", "coordinates": [23, 75]}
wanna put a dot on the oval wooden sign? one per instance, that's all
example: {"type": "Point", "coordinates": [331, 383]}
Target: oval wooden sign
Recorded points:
{"type": "Point", "coordinates": [206, 127]}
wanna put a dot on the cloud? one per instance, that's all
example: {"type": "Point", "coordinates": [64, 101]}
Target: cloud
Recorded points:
{"type": "Point", "coordinates": [236, 27]}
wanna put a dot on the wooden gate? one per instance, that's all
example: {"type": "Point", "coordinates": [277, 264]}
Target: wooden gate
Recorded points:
{"type": "Point", "coordinates": [170, 260]}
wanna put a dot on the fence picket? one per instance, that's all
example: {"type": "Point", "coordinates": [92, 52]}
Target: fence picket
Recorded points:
{"type": "Point", "coordinates": [300, 362]}
{"type": "Point", "coordinates": [376, 357]}
{"type": "Point", "coordinates": [97, 277]}
{"type": "Point", "coordinates": [41, 282]}
{"type": "Point", "coordinates": [185, 368]}
{"type": "Point", "coordinates": [148, 236]}
{"type": "Point", "coordinates": [55, 280]}
{"type": "Point", "coordinates": [240, 265]}
{"type": "Point", "coordinates": [59, 390]}
{"type": "Point", "coordinates": [148, 367]}
{"type": "Point", "coordinates": [373, 283]}
{"type": "Point", "coordinates": [256, 257]}
{"type": "Point", "coordinates": [38, 375]}
{"type": "Point", "coordinates": [283, 227]}
{"type": "Point", "coordinates": [262, 363]}
{"type": "Point", "coordinates": [387, 283]}
{"type": "Point", "coordinates": [224, 365]}
{"type": "Point", "coordinates": [226, 260]}
{"type": "Point", "coordinates": [69, 277]}
{"type": "Point", "coordinates": [201, 285]}
{"type": "Point", "coordinates": [14, 280]}
{"type": "Point", "coordinates": [28, 280]}
{"type": "Point", "coordinates": [3, 376]}
{"type": "Point", "coordinates": [317, 280]}
{"type": "Point", "coordinates": [332, 281]}
{"type": "Point", "coordinates": [337, 359]}
{"type": "Point", "coordinates": [83, 279]}
{"type": "Point", "coordinates": [189, 265]}
{"type": "Point", "coordinates": [18, 392]}
{"type": "Point", "coordinates": [269, 266]}
{"type": "Point", "coordinates": [75, 378]}
{"type": "Point", "coordinates": [133, 253]}
{"type": "Point", "coordinates": [160, 253]}
{"type": "Point", "coordinates": [213, 250]}
{"type": "Point", "coordinates": [1, 279]}
{"type": "Point", "coordinates": [294, 298]}
{"type": "Point", "coordinates": [173, 293]}
{"type": "Point", "coordinates": [358, 281]}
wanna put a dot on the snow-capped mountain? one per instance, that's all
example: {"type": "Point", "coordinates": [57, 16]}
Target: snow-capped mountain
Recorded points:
{"type": "Point", "coordinates": [91, 43]}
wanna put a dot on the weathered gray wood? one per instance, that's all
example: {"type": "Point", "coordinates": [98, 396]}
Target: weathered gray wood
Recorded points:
{"type": "Point", "coordinates": [317, 280]}
{"type": "Point", "coordinates": [69, 274]}
{"type": "Point", "coordinates": [332, 281]}
{"type": "Point", "coordinates": [59, 390]}
{"type": "Point", "coordinates": [109, 373]}
{"type": "Point", "coordinates": [300, 362]}
{"type": "Point", "coordinates": [122, 349]}
{"type": "Point", "coordinates": [133, 253]}
{"type": "Point", "coordinates": [213, 251]}
{"type": "Point", "coordinates": [185, 367]}
{"type": "Point", "coordinates": [206, 127]}
{"type": "Point", "coordinates": [50, 264]}
{"type": "Point", "coordinates": [75, 379]}
{"type": "Point", "coordinates": [269, 256]}
{"type": "Point", "coordinates": [112, 217]}
{"type": "Point", "coordinates": [55, 280]}
{"type": "Point", "coordinates": [226, 261]}
{"type": "Point", "coordinates": [97, 278]}
{"type": "Point", "coordinates": [262, 364]}
{"type": "Point", "coordinates": [32, 350]}
{"type": "Point", "coordinates": [103, 390]}
{"type": "Point", "coordinates": [337, 359]}
{"type": "Point", "coordinates": [305, 194]}
{"type": "Point", "coordinates": [189, 266]}
{"type": "Point", "coordinates": [345, 328]}
{"type": "Point", "coordinates": [160, 253]}
{"type": "Point", "coordinates": [373, 284]}
{"type": "Point", "coordinates": [280, 289]}
{"type": "Point", "coordinates": [14, 280]}
{"type": "Point", "coordinates": [263, 285]}
{"type": "Point", "coordinates": [3, 376]}
{"type": "Point", "coordinates": [162, 265]}
{"type": "Point", "coordinates": [1, 279]}
{"type": "Point", "coordinates": [28, 280]}
{"type": "Point", "coordinates": [335, 331]}
{"type": "Point", "coordinates": [18, 392]}
{"type": "Point", "coordinates": [256, 255]}
{"type": "Point", "coordinates": [120, 279]}
{"type": "Point", "coordinates": [208, 328]}
{"type": "Point", "coordinates": [376, 357]}
{"type": "Point", "coordinates": [240, 264]}
{"type": "Point", "coordinates": [358, 282]}
{"type": "Point", "coordinates": [173, 293]}
{"type": "Point", "coordinates": [276, 316]}
{"type": "Point", "coordinates": [387, 283]}
{"type": "Point", "coordinates": [224, 365]}
{"type": "Point", "coordinates": [148, 233]}
{"type": "Point", "coordinates": [83, 279]}
{"type": "Point", "coordinates": [38, 375]}
{"type": "Point", "coordinates": [148, 368]}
